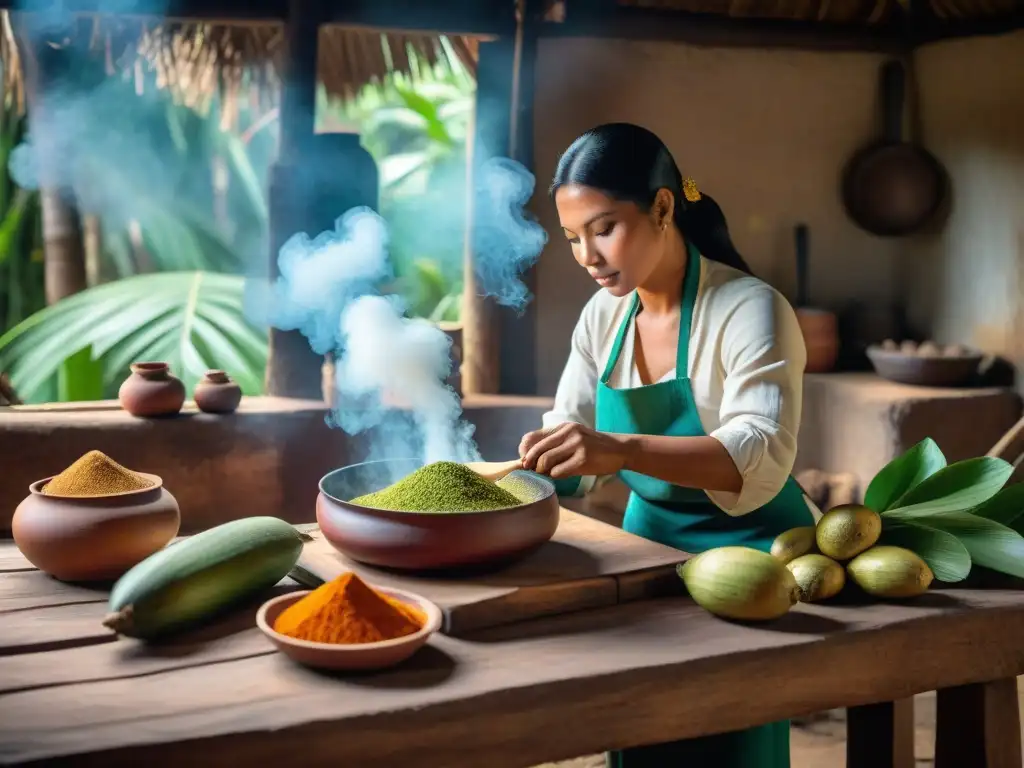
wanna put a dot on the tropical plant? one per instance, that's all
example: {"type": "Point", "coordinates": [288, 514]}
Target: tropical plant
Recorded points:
{"type": "Point", "coordinates": [416, 125]}
{"type": "Point", "coordinates": [21, 262]}
{"type": "Point", "coordinates": [163, 248]}
{"type": "Point", "coordinates": [952, 515]}
{"type": "Point", "coordinates": [428, 293]}
{"type": "Point", "coordinates": [188, 319]}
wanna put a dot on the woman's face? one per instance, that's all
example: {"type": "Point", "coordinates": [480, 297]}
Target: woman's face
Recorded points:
{"type": "Point", "coordinates": [615, 241]}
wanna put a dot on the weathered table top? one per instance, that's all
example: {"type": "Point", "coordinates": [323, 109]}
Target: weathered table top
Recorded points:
{"type": "Point", "coordinates": [516, 696]}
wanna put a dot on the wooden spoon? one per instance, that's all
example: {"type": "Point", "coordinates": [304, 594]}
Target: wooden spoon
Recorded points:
{"type": "Point", "coordinates": [494, 470]}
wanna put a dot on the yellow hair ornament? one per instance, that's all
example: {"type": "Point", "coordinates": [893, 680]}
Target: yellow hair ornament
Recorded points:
{"type": "Point", "coordinates": [690, 191]}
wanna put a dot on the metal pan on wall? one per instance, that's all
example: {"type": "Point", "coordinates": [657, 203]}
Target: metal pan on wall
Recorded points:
{"type": "Point", "coordinates": [893, 187]}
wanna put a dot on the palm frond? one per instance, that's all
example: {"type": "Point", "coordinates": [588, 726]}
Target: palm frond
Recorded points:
{"type": "Point", "coordinates": [191, 320]}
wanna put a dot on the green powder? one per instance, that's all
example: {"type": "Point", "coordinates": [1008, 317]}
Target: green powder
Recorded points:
{"type": "Point", "coordinates": [444, 486]}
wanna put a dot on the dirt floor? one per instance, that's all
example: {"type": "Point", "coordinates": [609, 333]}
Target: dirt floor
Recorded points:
{"type": "Point", "coordinates": [820, 742]}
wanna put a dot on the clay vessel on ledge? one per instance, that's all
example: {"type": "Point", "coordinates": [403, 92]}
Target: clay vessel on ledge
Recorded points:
{"type": "Point", "coordinates": [94, 538]}
{"type": "Point", "coordinates": [821, 337]}
{"type": "Point", "coordinates": [151, 390]}
{"type": "Point", "coordinates": [217, 393]}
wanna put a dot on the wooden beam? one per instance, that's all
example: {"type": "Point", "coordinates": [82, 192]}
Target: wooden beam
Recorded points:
{"type": "Point", "coordinates": [481, 17]}
{"type": "Point", "coordinates": [723, 31]}
{"type": "Point", "coordinates": [936, 30]}
{"type": "Point", "coordinates": [293, 370]}
{"type": "Point", "coordinates": [585, 18]}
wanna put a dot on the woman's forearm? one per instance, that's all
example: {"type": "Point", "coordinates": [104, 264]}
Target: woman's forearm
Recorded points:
{"type": "Point", "coordinates": [691, 462]}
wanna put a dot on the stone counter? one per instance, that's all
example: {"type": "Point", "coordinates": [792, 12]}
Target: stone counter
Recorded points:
{"type": "Point", "coordinates": [858, 422]}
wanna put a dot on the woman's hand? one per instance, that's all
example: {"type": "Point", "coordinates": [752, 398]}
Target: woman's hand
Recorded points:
{"type": "Point", "coordinates": [571, 449]}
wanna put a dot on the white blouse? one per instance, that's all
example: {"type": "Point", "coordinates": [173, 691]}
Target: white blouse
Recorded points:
{"type": "Point", "coordinates": [745, 365]}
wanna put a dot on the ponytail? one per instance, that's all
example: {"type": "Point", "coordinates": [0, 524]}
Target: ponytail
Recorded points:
{"type": "Point", "coordinates": [628, 162]}
{"type": "Point", "coordinates": [704, 225]}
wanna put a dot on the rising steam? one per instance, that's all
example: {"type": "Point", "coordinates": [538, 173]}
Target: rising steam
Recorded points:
{"type": "Point", "coordinates": [391, 369]}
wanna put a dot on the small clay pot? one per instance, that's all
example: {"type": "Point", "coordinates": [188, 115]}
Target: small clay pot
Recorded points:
{"type": "Point", "coordinates": [151, 390]}
{"type": "Point", "coordinates": [217, 393]}
{"type": "Point", "coordinates": [95, 538]}
{"type": "Point", "coordinates": [821, 336]}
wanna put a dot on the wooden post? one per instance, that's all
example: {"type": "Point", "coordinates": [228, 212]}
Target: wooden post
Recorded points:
{"type": "Point", "coordinates": [293, 369]}
{"type": "Point", "coordinates": [880, 735]}
{"type": "Point", "coordinates": [978, 726]}
{"type": "Point", "coordinates": [45, 65]}
{"type": "Point", "coordinates": [494, 360]}
{"type": "Point", "coordinates": [517, 331]}
{"type": "Point", "coordinates": [489, 136]}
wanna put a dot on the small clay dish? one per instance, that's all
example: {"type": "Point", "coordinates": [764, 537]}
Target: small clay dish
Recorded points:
{"type": "Point", "coordinates": [357, 656]}
{"type": "Point", "coordinates": [925, 370]}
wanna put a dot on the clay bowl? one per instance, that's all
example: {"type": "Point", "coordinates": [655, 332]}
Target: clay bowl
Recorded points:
{"type": "Point", "coordinates": [923, 370]}
{"type": "Point", "coordinates": [96, 538]}
{"type": "Point", "coordinates": [425, 541]}
{"type": "Point", "coordinates": [358, 656]}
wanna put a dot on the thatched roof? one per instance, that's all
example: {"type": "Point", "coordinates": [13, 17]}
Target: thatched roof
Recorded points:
{"type": "Point", "coordinates": [835, 11]}
{"type": "Point", "coordinates": [196, 60]}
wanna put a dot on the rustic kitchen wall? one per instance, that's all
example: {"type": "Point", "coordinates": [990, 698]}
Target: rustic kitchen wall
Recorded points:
{"type": "Point", "coordinates": [765, 132]}
{"type": "Point", "coordinates": [966, 281]}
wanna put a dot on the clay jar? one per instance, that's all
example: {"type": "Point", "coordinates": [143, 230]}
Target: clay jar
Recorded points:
{"type": "Point", "coordinates": [151, 390]}
{"type": "Point", "coordinates": [217, 393]}
{"type": "Point", "coordinates": [821, 337]}
{"type": "Point", "coordinates": [94, 538]}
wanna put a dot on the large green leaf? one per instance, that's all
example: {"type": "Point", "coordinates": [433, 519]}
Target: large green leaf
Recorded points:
{"type": "Point", "coordinates": [80, 378]}
{"type": "Point", "coordinates": [902, 474]}
{"type": "Point", "coordinates": [959, 486]}
{"type": "Point", "coordinates": [191, 320]}
{"type": "Point", "coordinates": [990, 544]}
{"type": "Point", "coordinates": [945, 554]}
{"type": "Point", "coordinates": [1005, 507]}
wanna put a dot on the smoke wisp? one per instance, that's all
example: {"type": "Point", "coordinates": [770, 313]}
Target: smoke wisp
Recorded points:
{"type": "Point", "coordinates": [390, 369]}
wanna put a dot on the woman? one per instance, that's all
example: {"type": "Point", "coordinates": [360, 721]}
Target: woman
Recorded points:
{"type": "Point", "coordinates": [684, 378]}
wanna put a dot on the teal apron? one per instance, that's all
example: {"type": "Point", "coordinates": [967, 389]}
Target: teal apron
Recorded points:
{"type": "Point", "coordinates": [686, 519]}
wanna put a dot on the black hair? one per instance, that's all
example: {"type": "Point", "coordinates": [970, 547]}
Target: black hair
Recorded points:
{"type": "Point", "coordinates": [627, 162]}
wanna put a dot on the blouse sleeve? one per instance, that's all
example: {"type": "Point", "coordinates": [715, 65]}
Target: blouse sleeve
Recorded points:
{"type": "Point", "coordinates": [575, 397]}
{"type": "Point", "coordinates": [763, 358]}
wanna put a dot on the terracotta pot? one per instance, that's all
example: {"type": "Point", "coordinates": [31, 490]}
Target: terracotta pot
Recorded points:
{"type": "Point", "coordinates": [151, 390]}
{"type": "Point", "coordinates": [821, 336]}
{"type": "Point", "coordinates": [217, 393]}
{"type": "Point", "coordinates": [96, 538]}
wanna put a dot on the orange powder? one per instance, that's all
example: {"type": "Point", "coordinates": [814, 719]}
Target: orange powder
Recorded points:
{"type": "Point", "coordinates": [346, 611]}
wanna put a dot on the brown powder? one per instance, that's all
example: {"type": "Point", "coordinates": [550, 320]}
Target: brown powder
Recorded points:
{"type": "Point", "coordinates": [95, 474]}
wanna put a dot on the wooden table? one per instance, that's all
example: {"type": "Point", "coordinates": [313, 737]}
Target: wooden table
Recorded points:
{"type": "Point", "coordinates": [505, 698]}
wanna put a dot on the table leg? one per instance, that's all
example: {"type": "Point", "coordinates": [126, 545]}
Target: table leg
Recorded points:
{"type": "Point", "coordinates": [978, 725]}
{"type": "Point", "coordinates": [881, 735]}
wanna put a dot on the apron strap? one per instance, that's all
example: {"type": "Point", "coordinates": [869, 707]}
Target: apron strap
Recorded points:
{"type": "Point", "coordinates": [620, 337]}
{"type": "Point", "coordinates": [691, 282]}
{"type": "Point", "coordinates": [687, 306]}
